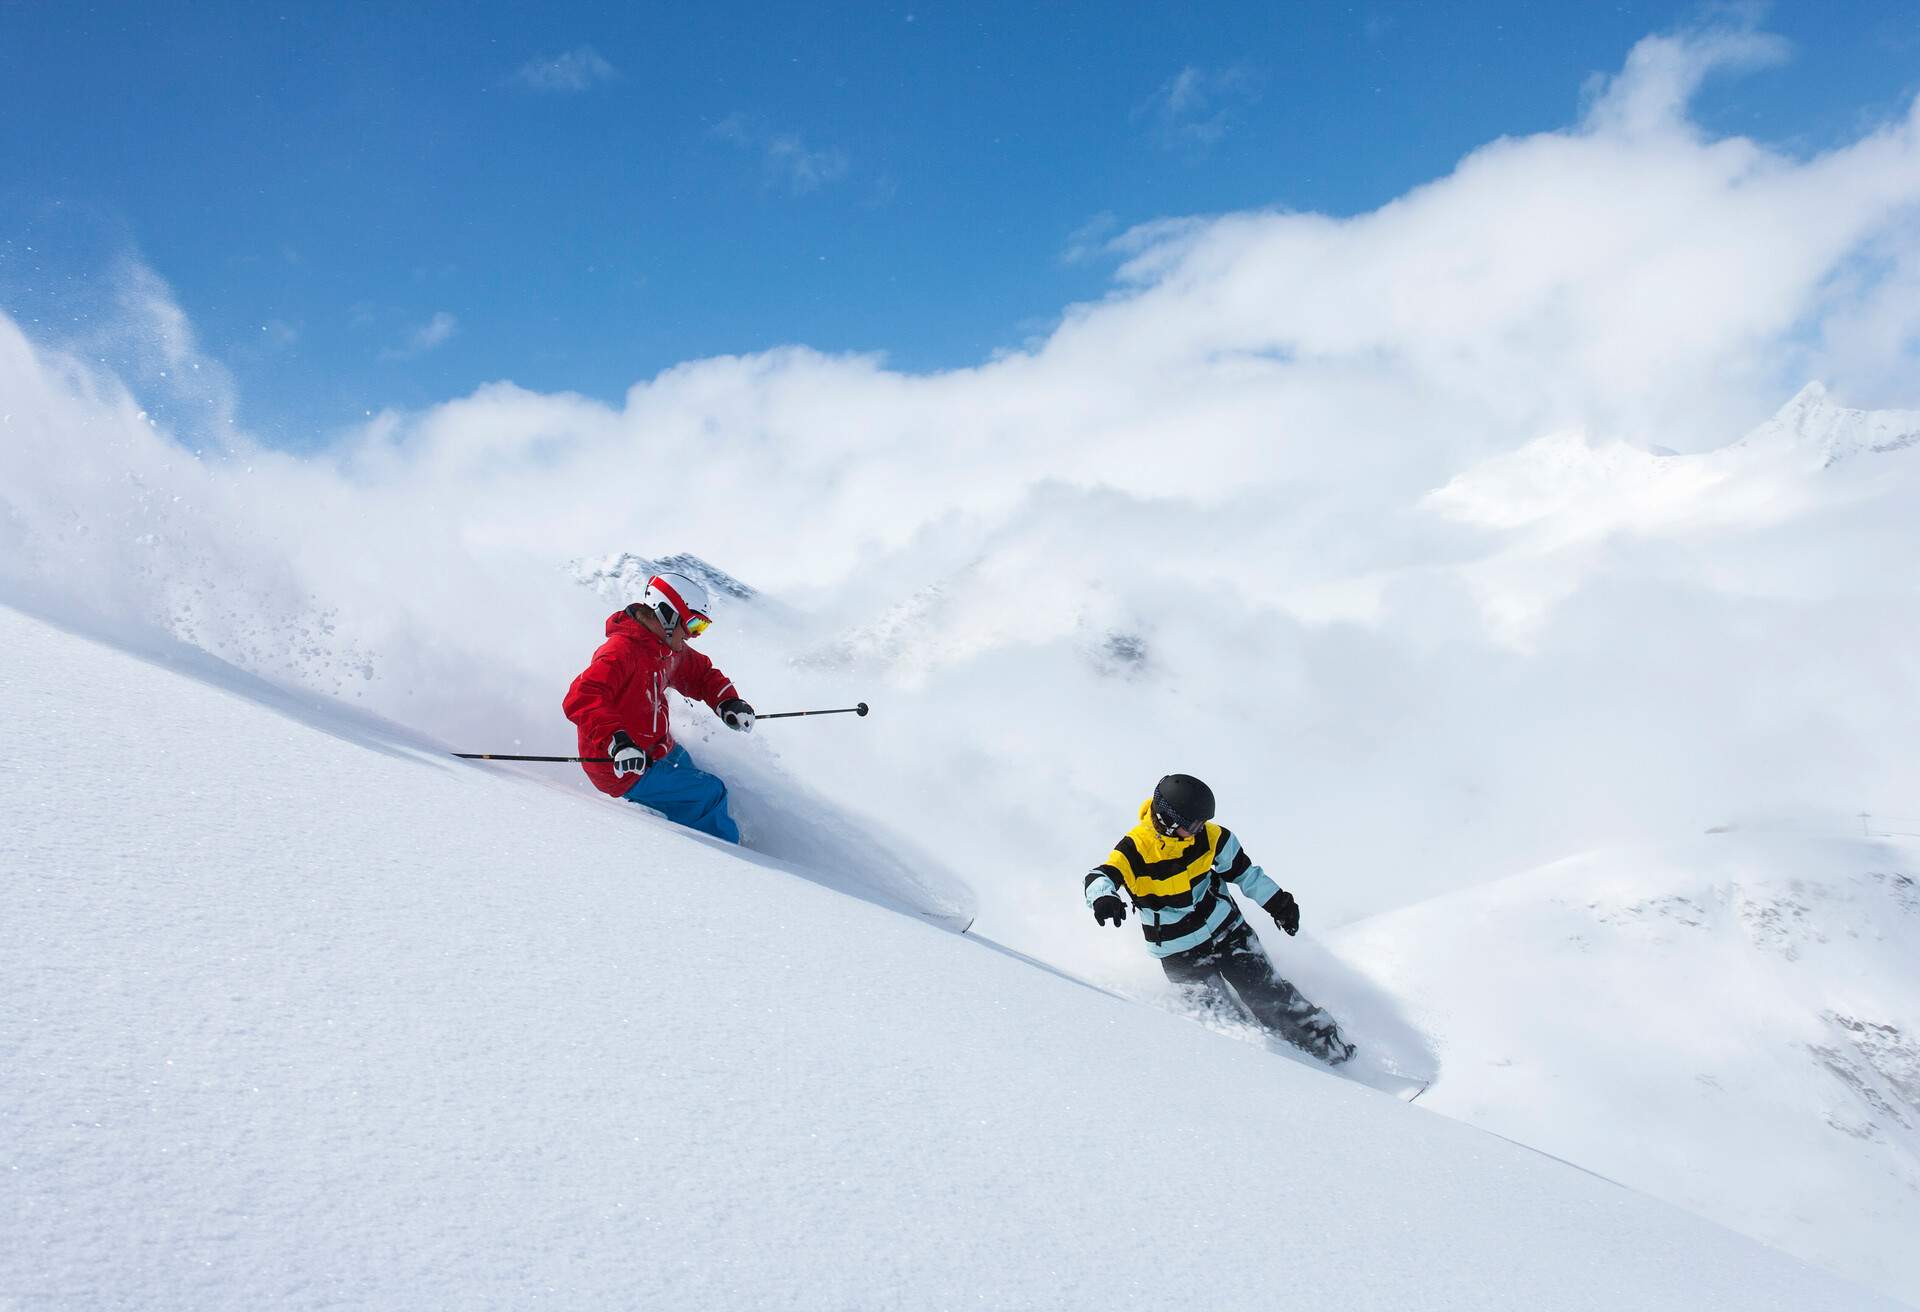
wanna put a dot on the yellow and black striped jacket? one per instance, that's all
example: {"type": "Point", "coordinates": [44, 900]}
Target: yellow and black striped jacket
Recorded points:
{"type": "Point", "coordinates": [1175, 885]}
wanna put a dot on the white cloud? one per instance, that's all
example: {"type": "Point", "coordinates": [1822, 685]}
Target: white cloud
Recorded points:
{"type": "Point", "coordinates": [1091, 239]}
{"type": "Point", "coordinates": [579, 69]}
{"type": "Point", "coordinates": [434, 333]}
{"type": "Point", "coordinates": [1197, 107]}
{"type": "Point", "coordinates": [788, 160]}
{"type": "Point", "coordinates": [805, 169]}
{"type": "Point", "coordinates": [1664, 72]}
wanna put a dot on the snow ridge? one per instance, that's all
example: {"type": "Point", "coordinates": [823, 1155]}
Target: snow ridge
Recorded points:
{"type": "Point", "coordinates": [1814, 421]}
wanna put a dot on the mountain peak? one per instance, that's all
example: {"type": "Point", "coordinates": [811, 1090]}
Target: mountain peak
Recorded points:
{"type": "Point", "coordinates": [623, 577]}
{"type": "Point", "coordinates": [1813, 395]}
{"type": "Point", "coordinates": [1812, 420]}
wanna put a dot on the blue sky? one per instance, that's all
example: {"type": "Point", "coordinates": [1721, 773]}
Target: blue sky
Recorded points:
{"type": "Point", "coordinates": [360, 206]}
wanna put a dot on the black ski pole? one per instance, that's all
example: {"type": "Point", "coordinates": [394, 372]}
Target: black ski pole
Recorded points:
{"type": "Point", "coordinates": [503, 756]}
{"type": "Point", "coordinates": [861, 709]}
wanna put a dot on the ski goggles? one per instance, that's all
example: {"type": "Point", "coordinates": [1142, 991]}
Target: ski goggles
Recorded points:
{"type": "Point", "coordinates": [695, 624]}
{"type": "Point", "coordinates": [1172, 826]}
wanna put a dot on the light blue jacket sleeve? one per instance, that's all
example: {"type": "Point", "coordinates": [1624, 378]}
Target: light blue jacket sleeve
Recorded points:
{"type": "Point", "coordinates": [1100, 883]}
{"type": "Point", "coordinates": [1233, 864]}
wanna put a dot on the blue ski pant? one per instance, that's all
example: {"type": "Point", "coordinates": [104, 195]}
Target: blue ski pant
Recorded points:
{"type": "Point", "coordinates": [685, 794]}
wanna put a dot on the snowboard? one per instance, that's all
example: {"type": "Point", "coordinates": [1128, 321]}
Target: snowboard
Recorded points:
{"type": "Point", "coordinates": [1362, 1068]}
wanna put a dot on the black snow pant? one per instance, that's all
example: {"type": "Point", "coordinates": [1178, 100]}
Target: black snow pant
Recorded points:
{"type": "Point", "coordinates": [1235, 960]}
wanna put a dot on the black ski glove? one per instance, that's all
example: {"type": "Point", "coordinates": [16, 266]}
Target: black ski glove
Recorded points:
{"type": "Point", "coordinates": [1109, 910]}
{"type": "Point", "coordinates": [627, 759]}
{"type": "Point", "coordinates": [1285, 911]}
{"type": "Point", "coordinates": [737, 714]}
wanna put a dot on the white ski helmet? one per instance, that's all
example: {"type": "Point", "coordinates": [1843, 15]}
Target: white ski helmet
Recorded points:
{"type": "Point", "coordinates": [679, 602]}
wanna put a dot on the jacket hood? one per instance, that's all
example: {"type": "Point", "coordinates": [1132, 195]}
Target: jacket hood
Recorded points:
{"type": "Point", "coordinates": [623, 621]}
{"type": "Point", "coordinates": [1148, 835]}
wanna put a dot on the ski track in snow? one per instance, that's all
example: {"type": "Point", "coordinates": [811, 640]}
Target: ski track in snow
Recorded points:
{"type": "Point", "coordinates": [290, 1022]}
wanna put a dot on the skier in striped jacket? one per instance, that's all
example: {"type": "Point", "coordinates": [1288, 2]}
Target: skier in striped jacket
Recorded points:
{"type": "Point", "coordinates": [1171, 866]}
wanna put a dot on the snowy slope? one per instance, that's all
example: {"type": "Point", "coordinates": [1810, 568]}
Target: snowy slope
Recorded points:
{"type": "Point", "coordinates": [296, 1013]}
{"type": "Point", "coordinates": [1731, 1023]}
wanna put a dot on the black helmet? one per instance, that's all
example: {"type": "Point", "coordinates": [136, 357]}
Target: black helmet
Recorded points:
{"type": "Point", "coordinates": [1181, 802]}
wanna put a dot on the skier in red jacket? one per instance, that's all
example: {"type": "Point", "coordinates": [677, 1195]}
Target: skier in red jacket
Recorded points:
{"type": "Point", "coordinates": [619, 704]}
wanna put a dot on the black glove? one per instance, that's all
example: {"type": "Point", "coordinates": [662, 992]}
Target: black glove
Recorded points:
{"type": "Point", "coordinates": [1285, 911]}
{"type": "Point", "coordinates": [627, 759]}
{"type": "Point", "coordinates": [1109, 910]}
{"type": "Point", "coordinates": [737, 714]}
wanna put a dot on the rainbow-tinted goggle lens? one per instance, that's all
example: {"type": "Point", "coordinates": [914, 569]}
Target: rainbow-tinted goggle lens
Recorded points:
{"type": "Point", "coordinates": [695, 624]}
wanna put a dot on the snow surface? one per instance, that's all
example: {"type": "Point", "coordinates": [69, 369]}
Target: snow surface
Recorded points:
{"type": "Point", "coordinates": [1686, 1002]}
{"type": "Point", "coordinates": [297, 1014]}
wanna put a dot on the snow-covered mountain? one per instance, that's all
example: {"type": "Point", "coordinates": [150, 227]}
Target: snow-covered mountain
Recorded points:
{"type": "Point", "coordinates": [622, 578]}
{"type": "Point", "coordinates": [1814, 421]}
{"type": "Point", "coordinates": [1731, 1023]}
{"type": "Point", "coordinates": [299, 1013]}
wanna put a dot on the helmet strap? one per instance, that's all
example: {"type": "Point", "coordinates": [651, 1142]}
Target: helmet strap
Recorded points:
{"type": "Point", "coordinates": [662, 614]}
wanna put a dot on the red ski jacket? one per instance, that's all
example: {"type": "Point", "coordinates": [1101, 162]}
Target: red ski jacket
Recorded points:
{"type": "Point", "coordinates": [625, 687]}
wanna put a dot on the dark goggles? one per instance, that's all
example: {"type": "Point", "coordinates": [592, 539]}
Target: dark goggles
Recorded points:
{"type": "Point", "coordinates": [1173, 826]}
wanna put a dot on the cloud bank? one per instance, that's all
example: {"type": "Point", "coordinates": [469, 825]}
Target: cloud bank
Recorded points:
{"type": "Point", "coordinates": [1418, 533]}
